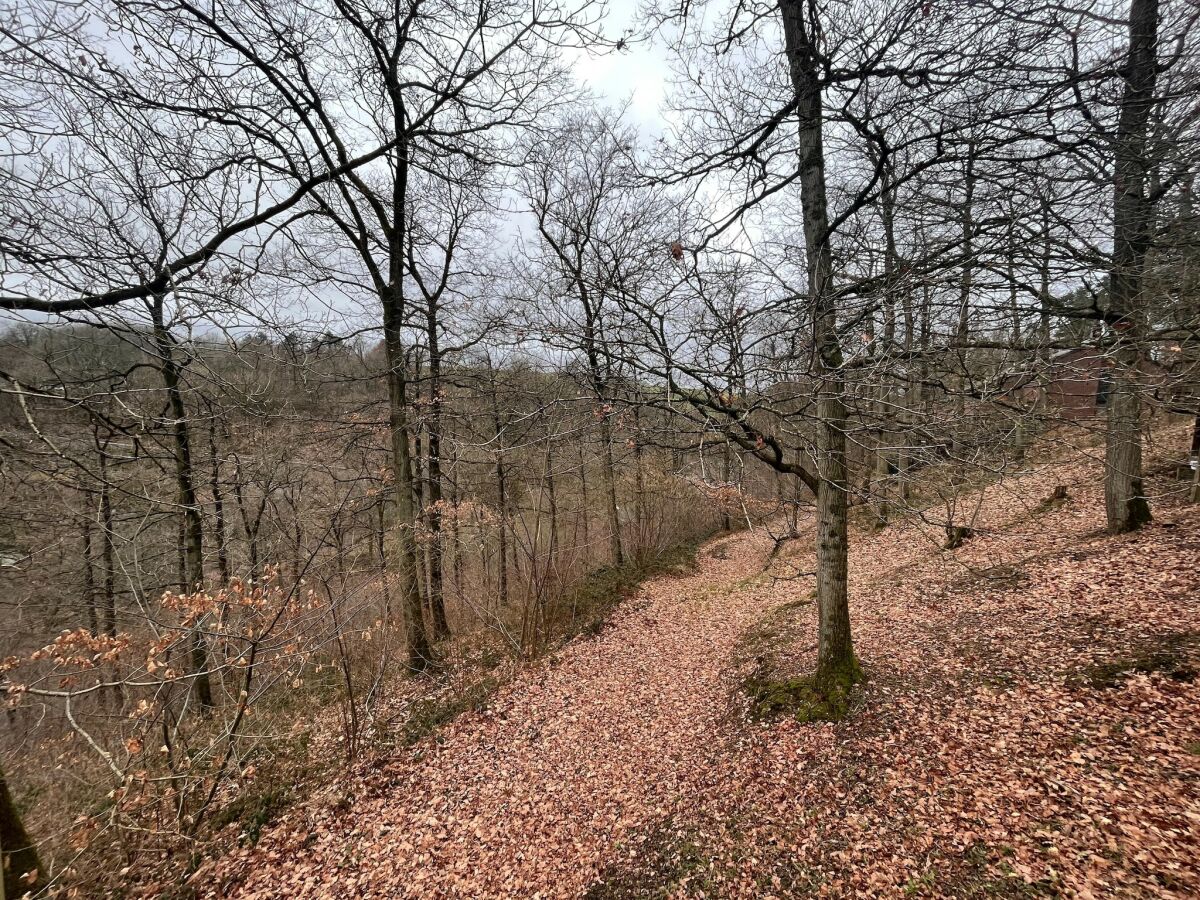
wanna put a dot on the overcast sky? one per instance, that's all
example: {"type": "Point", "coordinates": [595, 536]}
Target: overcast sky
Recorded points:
{"type": "Point", "coordinates": [638, 74]}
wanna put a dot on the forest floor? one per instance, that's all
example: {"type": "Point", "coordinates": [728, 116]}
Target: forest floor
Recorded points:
{"type": "Point", "coordinates": [1029, 727]}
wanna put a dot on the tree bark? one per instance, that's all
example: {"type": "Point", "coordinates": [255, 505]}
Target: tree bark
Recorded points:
{"type": "Point", "coordinates": [883, 407]}
{"type": "Point", "coordinates": [89, 578]}
{"type": "Point", "coordinates": [552, 493]}
{"type": "Point", "coordinates": [642, 539]}
{"type": "Point", "coordinates": [1044, 278]}
{"type": "Point", "coordinates": [18, 855]}
{"type": "Point", "coordinates": [501, 491]}
{"type": "Point", "coordinates": [433, 472]}
{"type": "Point", "coordinates": [420, 657]}
{"type": "Point", "coordinates": [193, 524]}
{"type": "Point", "coordinates": [600, 384]}
{"type": "Point", "coordinates": [836, 664]}
{"type": "Point", "coordinates": [583, 508]}
{"type": "Point", "coordinates": [965, 288]}
{"type": "Point", "coordinates": [218, 503]}
{"type": "Point", "coordinates": [1124, 494]}
{"type": "Point", "coordinates": [109, 623]}
{"type": "Point", "coordinates": [610, 489]}
{"type": "Point", "coordinates": [726, 479]}
{"type": "Point", "coordinates": [1194, 459]}
{"type": "Point", "coordinates": [455, 539]}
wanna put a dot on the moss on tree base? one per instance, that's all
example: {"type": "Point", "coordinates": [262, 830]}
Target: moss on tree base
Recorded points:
{"type": "Point", "coordinates": [811, 698]}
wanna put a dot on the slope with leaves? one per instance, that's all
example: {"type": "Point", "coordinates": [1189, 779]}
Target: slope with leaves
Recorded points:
{"type": "Point", "coordinates": [1029, 728]}
{"type": "Point", "coordinates": [528, 795]}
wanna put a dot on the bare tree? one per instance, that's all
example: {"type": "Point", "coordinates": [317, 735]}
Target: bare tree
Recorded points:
{"type": "Point", "coordinates": [1133, 225]}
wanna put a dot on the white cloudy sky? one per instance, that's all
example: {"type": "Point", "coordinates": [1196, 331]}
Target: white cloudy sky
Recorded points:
{"type": "Point", "coordinates": [638, 74]}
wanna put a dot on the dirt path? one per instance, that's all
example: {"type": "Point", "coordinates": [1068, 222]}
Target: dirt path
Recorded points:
{"type": "Point", "coordinates": [530, 797]}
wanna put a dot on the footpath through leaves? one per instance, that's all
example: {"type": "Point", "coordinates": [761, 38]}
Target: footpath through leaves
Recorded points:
{"type": "Point", "coordinates": [1030, 727]}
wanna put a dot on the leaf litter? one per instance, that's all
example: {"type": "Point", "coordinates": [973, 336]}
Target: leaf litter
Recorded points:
{"type": "Point", "coordinates": [1029, 728]}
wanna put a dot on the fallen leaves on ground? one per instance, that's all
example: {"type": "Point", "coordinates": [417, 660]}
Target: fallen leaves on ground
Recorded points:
{"type": "Point", "coordinates": [1029, 728]}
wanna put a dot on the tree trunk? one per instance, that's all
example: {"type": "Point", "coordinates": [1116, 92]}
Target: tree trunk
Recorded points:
{"type": "Point", "coordinates": [251, 527]}
{"type": "Point", "coordinates": [610, 487]}
{"type": "Point", "coordinates": [836, 664]}
{"type": "Point", "coordinates": [501, 493]}
{"type": "Point", "coordinates": [552, 494]}
{"type": "Point", "coordinates": [642, 539]}
{"type": "Point", "coordinates": [1014, 308]}
{"type": "Point", "coordinates": [883, 407]}
{"type": "Point", "coordinates": [1044, 282]}
{"type": "Point", "coordinates": [726, 478]}
{"type": "Point", "coordinates": [218, 503]}
{"type": "Point", "coordinates": [1125, 502]}
{"type": "Point", "coordinates": [18, 855]}
{"type": "Point", "coordinates": [1194, 460]}
{"type": "Point", "coordinates": [89, 578]}
{"type": "Point", "coordinates": [419, 655]}
{"type": "Point", "coordinates": [109, 622]}
{"type": "Point", "coordinates": [583, 508]}
{"type": "Point", "coordinates": [965, 288]}
{"type": "Point", "coordinates": [455, 539]}
{"type": "Point", "coordinates": [910, 396]}
{"type": "Point", "coordinates": [419, 503]}
{"type": "Point", "coordinates": [193, 524]}
{"type": "Point", "coordinates": [600, 383]}
{"type": "Point", "coordinates": [108, 618]}
{"type": "Point", "coordinates": [1124, 495]}
{"type": "Point", "coordinates": [433, 472]}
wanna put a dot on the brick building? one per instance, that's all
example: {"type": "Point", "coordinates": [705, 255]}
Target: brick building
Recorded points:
{"type": "Point", "coordinates": [1077, 383]}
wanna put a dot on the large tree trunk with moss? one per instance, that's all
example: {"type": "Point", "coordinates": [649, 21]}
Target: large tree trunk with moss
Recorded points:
{"type": "Point", "coordinates": [1125, 500]}
{"type": "Point", "coordinates": [22, 870]}
{"type": "Point", "coordinates": [836, 664]}
{"type": "Point", "coordinates": [1133, 214]}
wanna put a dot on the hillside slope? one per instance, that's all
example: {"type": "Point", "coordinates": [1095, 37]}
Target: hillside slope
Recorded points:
{"type": "Point", "coordinates": [1029, 728]}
